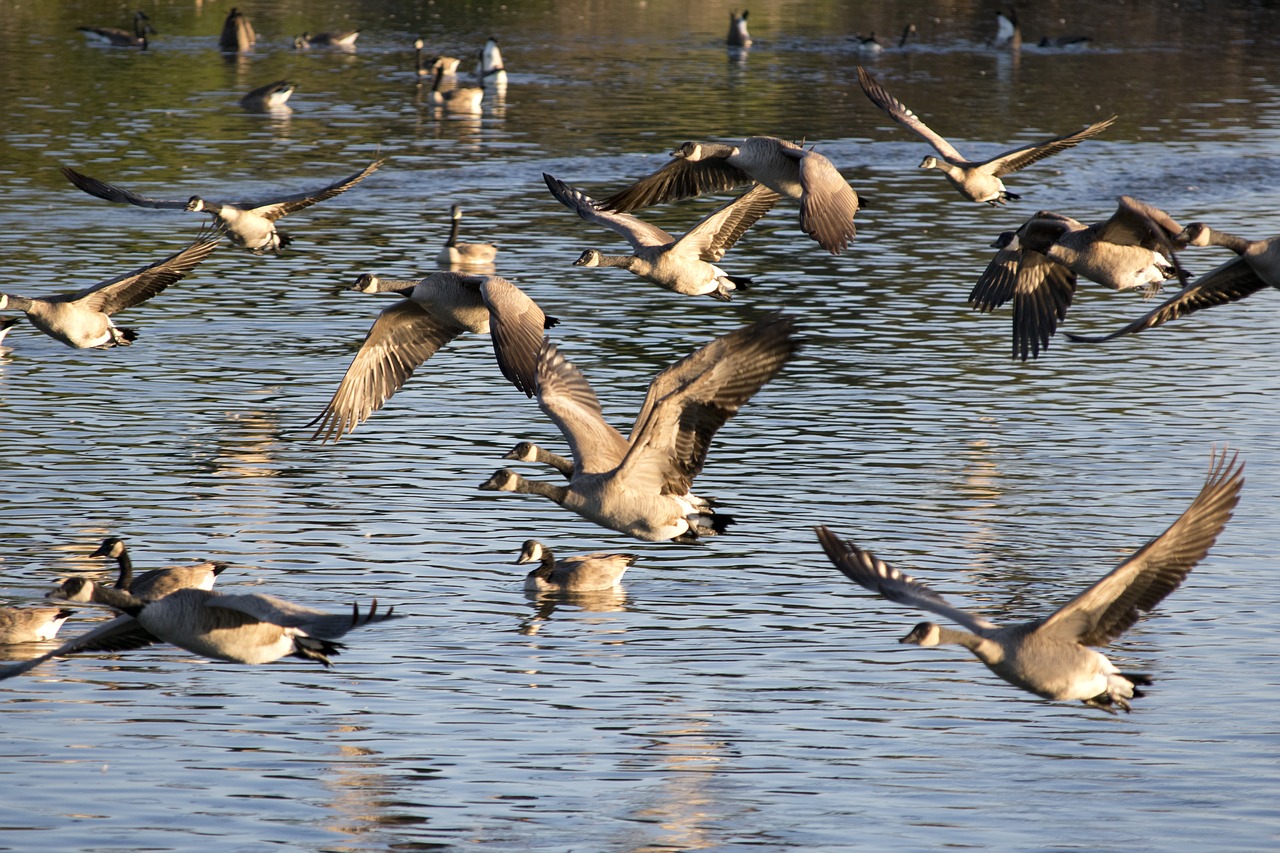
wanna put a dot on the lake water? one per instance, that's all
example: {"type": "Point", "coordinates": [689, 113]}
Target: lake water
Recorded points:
{"type": "Point", "coordinates": [736, 694]}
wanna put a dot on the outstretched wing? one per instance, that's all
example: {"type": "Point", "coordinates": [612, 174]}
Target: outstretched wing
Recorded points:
{"type": "Point", "coordinates": [1017, 158]}
{"type": "Point", "coordinates": [516, 326]}
{"type": "Point", "coordinates": [635, 231]}
{"type": "Point", "coordinates": [898, 112]}
{"type": "Point", "coordinates": [716, 234]}
{"type": "Point", "coordinates": [136, 287]}
{"type": "Point", "coordinates": [103, 190]}
{"type": "Point", "coordinates": [276, 208]}
{"type": "Point", "coordinates": [563, 393]}
{"type": "Point", "coordinates": [681, 178]}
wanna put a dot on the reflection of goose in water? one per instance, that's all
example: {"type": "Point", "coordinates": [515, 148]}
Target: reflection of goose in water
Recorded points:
{"type": "Point", "coordinates": [1050, 657]}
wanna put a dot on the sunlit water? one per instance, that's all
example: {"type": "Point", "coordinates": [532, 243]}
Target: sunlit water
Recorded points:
{"type": "Point", "coordinates": [734, 694]}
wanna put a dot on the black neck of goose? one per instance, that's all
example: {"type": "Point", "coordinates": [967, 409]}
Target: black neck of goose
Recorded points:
{"type": "Point", "coordinates": [623, 261]}
{"type": "Point", "coordinates": [453, 233]}
{"type": "Point", "coordinates": [547, 565]}
{"type": "Point", "coordinates": [125, 581]}
{"type": "Point", "coordinates": [1239, 245]}
{"type": "Point", "coordinates": [541, 487]}
{"type": "Point", "coordinates": [17, 303]}
{"type": "Point", "coordinates": [118, 599]}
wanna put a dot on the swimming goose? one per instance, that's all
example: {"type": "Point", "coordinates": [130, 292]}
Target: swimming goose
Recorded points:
{"type": "Point", "coordinates": [156, 583]}
{"type": "Point", "coordinates": [31, 624]}
{"type": "Point", "coordinates": [637, 485]}
{"type": "Point", "coordinates": [83, 319]}
{"type": "Point", "coordinates": [245, 628]}
{"type": "Point", "coordinates": [1008, 33]}
{"type": "Point", "coordinates": [489, 67]}
{"type": "Point", "coordinates": [237, 32]}
{"type": "Point", "coordinates": [447, 65]}
{"type": "Point", "coordinates": [272, 96]}
{"type": "Point", "coordinates": [1065, 42]}
{"type": "Point", "coordinates": [345, 39]}
{"type": "Point", "coordinates": [1256, 265]}
{"type": "Point", "coordinates": [868, 45]}
{"type": "Point", "coordinates": [435, 310]}
{"type": "Point", "coordinates": [122, 38]}
{"type": "Point", "coordinates": [6, 326]}
{"type": "Point", "coordinates": [738, 35]}
{"type": "Point", "coordinates": [462, 100]}
{"type": "Point", "coordinates": [682, 265]}
{"type": "Point", "coordinates": [976, 180]}
{"type": "Point", "coordinates": [1037, 266]}
{"type": "Point", "coordinates": [827, 202]}
{"type": "Point", "coordinates": [1050, 657]}
{"type": "Point", "coordinates": [908, 32]}
{"type": "Point", "coordinates": [249, 224]}
{"type": "Point", "coordinates": [463, 254]}
{"type": "Point", "coordinates": [585, 573]}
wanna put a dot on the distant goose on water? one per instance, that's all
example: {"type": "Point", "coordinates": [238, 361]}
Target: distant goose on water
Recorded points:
{"type": "Point", "coordinates": [117, 37]}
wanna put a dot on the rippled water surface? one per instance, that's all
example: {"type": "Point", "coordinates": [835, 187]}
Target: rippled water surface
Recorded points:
{"type": "Point", "coordinates": [734, 694]}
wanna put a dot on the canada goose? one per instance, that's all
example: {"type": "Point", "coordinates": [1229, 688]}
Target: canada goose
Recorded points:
{"type": "Point", "coordinates": [463, 254]}
{"type": "Point", "coordinates": [637, 485]}
{"type": "Point", "coordinates": [1049, 657]}
{"type": "Point", "coordinates": [527, 451]}
{"type": "Point", "coordinates": [249, 224]}
{"type": "Point", "coordinates": [272, 96]}
{"type": "Point", "coordinates": [489, 67]}
{"type": "Point", "coordinates": [827, 202]}
{"type": "Point", "coordinates": [1008, 33]}
{"type": "Point", "coordinates": [435, 310]}
{"type": "Point", "coordinates": [682, 265]}
{"type": "Point", "coordinates": [738, 35]}
{"type": "Point", "coordinates": [148, 585]}
{"type": "Point", "coordinates": [976, 180]}
{"type": "Point", "coordinates": [447, 65]}
{"type": "Point", "coordinates": [462, 100]}
{"type": "Point", "coordinates": [83, 319]}
{"type": "Point", "coordinates": [1037, 266]}
{"type": "Point", "coordinates": [31, 624]}
{"type": "Point", "coordinates": [867, 45]}
{"type": "Point", "coordinates": [246, 628]}
{"type": "Point", "coordinates": [1256, 266]}
{"type": "Point", "coordinates": [585, 573]}
{"type": "Point", "coordinates": [345, 39]}
{"type": "Point", "coordinates": [908, 32]}
{"type": "Point", "coordinates": [237, 32]}
{"type": "Point", "coordinates": [6, 325]}
{"type": "Point", "coordinates": [122, 38]}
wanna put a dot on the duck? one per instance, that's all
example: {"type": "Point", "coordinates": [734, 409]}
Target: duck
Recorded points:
{"type": "Point", "coordinates": [1037, 266]}
{"type": "Point", "coordinates": [1050, 657]}
{"type": "Point", "coordinates": [344, 39]}
{"type": "Point", "coordinates": [156, 583]}
{"type": "Point", "coordinates": [83, 319]}
{"type": "Point", "coordinates": [976, 180]}
{"type": "Point", "coordinates": [685, 264]}
{"type": "Point", "coordinates": [636, 485]}
{"type": "Point", "coordinates": [117, 37]}
{"type": "Point", "coordinates": [273, 96]}
{"type": "Point", "coordinates": [31, 624]}
{"type": "Point", "coordinates": [435, 310]}
{"type": "Point", "coordinates": [447, 65]}
{"type": "Point", "coordinates": [455, 254]}
{"type": "Point", "coordinates": [249, 628]}
{"type": "Point", "coordinates": [237, 32]}
{"type": "Point", "coordinates": [489, 66]}
{"type": "Point", "coordinates": [584, 573]}
{"type": "Point", "coordinates": [467, 99]}
{"type": "Point", "coordinates": [738, 35]}
{"type": "Point", "coordinates": [1255, 267]}
{"type": "Point", "coordinates": [248, 224]}
{"type": "Point", "coordinates": [1008, 32]}
{"type": "Point", "coordinates": [827, 202]}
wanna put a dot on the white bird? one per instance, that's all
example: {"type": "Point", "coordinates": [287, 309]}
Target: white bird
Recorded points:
{"type": "Point", "coordinates": [1050, 657]}
{"type": "Point", "coordinates": [583, 573]}
{"type": "Point", "coordinates": [489, 66]}
{"type": "Point", "coordinates": [638, 485]}
{"type": "Point", "coordinates": [83, 319]}
{"type": "Point", "coordinates": [685, 264]}
{"type": "Point", "coordinates": [435, 310]}
{"type": "Point", "coordinates": [976, 180]}
{"type": "Point", "coordinates": [246, 628]}
{"type": "Point", "coordinates": [249, 224]}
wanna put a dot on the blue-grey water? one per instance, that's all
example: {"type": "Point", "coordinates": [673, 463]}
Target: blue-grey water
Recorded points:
{"type": "Point", "coordinates": [732, 695]}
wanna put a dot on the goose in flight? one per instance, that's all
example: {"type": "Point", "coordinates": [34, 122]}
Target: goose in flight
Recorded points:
{"type": "Point", "coordinates": [249, 224]}
{"type": "Point", "coordinates": [1050, 657]}
{"type": "Point", "coordinates": [685, 264]}
{"type": "Point", "coordinates": [434, 311]}
{"type": "Point", "coordinates": [827, 202]}
{"type": "Point", "coordinates": [1255, 267]}
{"type": "Point", "coordinates": [976, 180]}
{"type": "Point", "coordinates": [1037, 265]}
{"type": "Point", "coordinates": [640, 485]}
{"type": "Point", "coordinates": [83, 319]}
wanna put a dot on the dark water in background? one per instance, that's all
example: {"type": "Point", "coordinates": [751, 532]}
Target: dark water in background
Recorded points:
{"type": "Point", "coordinates": [734, 694]}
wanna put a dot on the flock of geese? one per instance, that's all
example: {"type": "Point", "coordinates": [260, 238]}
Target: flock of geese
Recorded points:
{"type": "Point", "coordinates": [640, 484]}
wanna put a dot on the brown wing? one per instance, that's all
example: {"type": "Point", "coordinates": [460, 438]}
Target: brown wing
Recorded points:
{"type": "Point", "coordinates": [516, 326]}
{"type": "Point", "coordinates": [1041, 298]}
{"type": "Point", "coordinates": [137, 287]}
{"type": "Point", "coordinates": [273, 210]}
{"type": "Point", "coordinates": [103, 190]}
{"type": "Point", "coordinates": [678, 179]}
{"type": "Point", "coordinates": [1017, 158]}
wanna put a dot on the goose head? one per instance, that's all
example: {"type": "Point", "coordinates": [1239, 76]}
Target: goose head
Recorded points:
{"type": "Point", "coordinates": [589, 258]}
{"type": "Point", "coordinates": [530, 552]}
{"type": "Point", "coordinates": [930, 162]}
{"type": "Point", "coordinates": [111, 547]}
{"type": "Point", "coordinates": [924, 634]}
{"type": "Point", "coordinates": [366, 283]}
{"type": "Point", "coordinates": [688, 151]}
{"type": "Point", "coordinates": [523, 452]}
{"type": "Point", "coordinates": [195, 204]}
{"type": "Point", "coordinates": [1195, 234]}
{"type": "Point", "coordinates": [1008, 240]}
{"type": "Point", "coordinates": [73, 589]}
{"type": "Point", "coordinates": [503, 480]}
